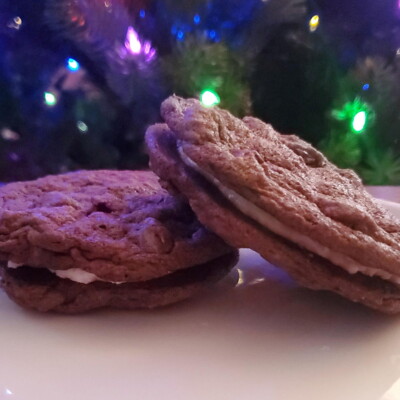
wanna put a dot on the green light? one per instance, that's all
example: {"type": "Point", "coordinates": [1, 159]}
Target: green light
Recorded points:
{"type": "Point", "coordinates": [50, 99]}
{"type": "Point", "coordinates": [82, 126]}
{"type": "Point", "coordinates": [209, 98]}
{"type": "Point", "coordinates": [358, 114]}
{"type": "Point", "coordinates": [359, 121]}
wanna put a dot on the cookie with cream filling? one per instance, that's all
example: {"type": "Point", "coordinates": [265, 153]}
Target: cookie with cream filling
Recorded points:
{"type": "Point", "coordinates": [91, 239]}
{"type": "Point", "coordinates": [279, 196]}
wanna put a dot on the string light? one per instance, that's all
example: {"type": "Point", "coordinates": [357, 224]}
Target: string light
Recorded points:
{"type": "Point", "coordinates": [209, 98]}
{"type": "Point", "coordinates": [14, 157]}
{"type": "Point", "coordinates": [212, 34]}
{"type": "Point", "coordinates": [8, 134]}
{"type": "Point", "coordinates": [314, 23]}
{"type": "Point", "coordinates": [136, 47]}
{"type": "Point", "coordinates": [196, 19]}
{"type": "Point", "coordinates": [82, 127]}
{"type": "Point", "coordinates": [358, 113]}
{"type": "Point", "coordinates": [359, 121]}
{"type": "Point", "coordinates": [73, 65]}
{"type": "Point", "coordinates": [50, 99]}
{"type": "Point", "coordinates": [180, 35]}
{"type": "Point", "coordinates": [132, 42]}
{"type": "Point", "coordinates": [15, 23]}
{"type": "Point", "coordinates": [365, 87]}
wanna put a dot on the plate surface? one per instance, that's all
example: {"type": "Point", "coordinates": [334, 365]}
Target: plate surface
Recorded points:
{"type": "Point", "coordinates": [256, 335]}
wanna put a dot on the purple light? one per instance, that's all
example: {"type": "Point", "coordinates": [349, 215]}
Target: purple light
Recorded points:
{"type": "Point", "coordinates": [136, 47]}
{"type": "Point", "coordinates": [14, 157]}
{"type": "Point", "coordinates": [132, 42]}
{"type": "Point", "coordinates": [148, 51]}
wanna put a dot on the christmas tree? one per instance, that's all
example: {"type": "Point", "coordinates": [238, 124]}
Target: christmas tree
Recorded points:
{"type": "Point", "coordinates": [82, 79]}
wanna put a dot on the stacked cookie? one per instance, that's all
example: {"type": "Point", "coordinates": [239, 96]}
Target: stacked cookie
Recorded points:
{"type": "Point", "coordinates": [84, 240]}
{"type": "Point", "coordinates": [279, 196]}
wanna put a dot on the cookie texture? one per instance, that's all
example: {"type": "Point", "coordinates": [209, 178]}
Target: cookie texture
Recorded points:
{"type": "Point", "coordinates": [41, 290]}
{"type": "Point", "coordinates": [119, 225]}
{"type": "Point", "coordinates": [288, 178]}
{"type": "Point", "coordinates": [291, 181]}
{"type": "Point", "coordinates": [140, 246]}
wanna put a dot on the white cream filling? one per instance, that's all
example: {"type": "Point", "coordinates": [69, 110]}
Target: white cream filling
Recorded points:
{"type": "Point", "coordinates": [13, 265]}
{"type": "Point", "coordinates": [73, 274]}
{"type": "Point", "coordinates": [275, 226]}
{"type": "Point", "coordinates": [76, 275]}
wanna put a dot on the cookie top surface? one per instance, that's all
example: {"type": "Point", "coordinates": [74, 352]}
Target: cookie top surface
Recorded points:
{"type": "Point", "coordinates": [118, 225]}
{"type": "Point", "coordinates": [287, 178]}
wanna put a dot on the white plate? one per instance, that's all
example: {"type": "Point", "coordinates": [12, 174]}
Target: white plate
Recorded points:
{"type": "Point", "coordinates": [264, 339]}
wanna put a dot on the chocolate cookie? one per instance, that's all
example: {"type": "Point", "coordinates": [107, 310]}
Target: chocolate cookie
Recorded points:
{"type": "Point", "coordinates": [279, 196]}
{"type": "Point", "coordinates": [89, 239]}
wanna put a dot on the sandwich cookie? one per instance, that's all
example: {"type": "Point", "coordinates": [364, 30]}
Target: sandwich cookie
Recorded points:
{"type": "Point", "coordinates": [279, 196]}
{"type": "Point", "coordinates": [83, 240]}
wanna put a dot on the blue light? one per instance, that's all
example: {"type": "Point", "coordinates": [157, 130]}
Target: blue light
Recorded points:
{"type": "Point", "coordinates": [212, 34]}
{"type": "Point", "coordinates": [73, 65]}
{"type": "Point", "coordinates": [196, 19]}
{"type": "Point", "coordinates": [366, 86]}
{"type": "Point", "coordinates": [180, 35]}
{"type": "Point", "coordinates": [142, 13]}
